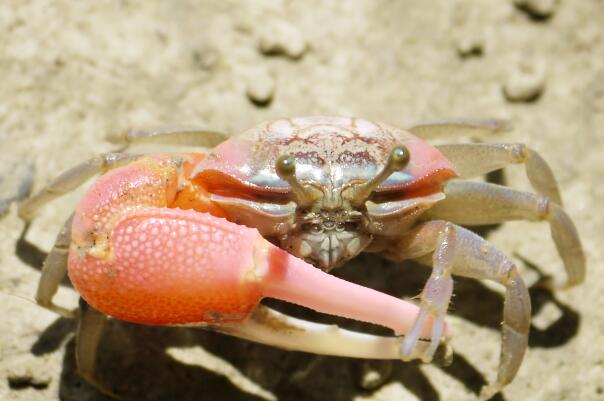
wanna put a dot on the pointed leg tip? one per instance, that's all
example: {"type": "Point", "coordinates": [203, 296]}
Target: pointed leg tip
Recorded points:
{"type": "Point", "coordinates": [501, 125]}
{"type": "Point", "coordinates": [552, 285]}
{"type": "Point", "coordinates": [444, 355]}
{"type": "Point", "coordinates": [489, 391]}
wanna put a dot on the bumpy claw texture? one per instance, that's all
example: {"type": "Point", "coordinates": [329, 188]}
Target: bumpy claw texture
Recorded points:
{"type": "Point", "coordinates": [165, 266]}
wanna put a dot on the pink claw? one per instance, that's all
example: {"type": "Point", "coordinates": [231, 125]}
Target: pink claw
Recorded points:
{"type": "Point", "coordinates": [172, 266]}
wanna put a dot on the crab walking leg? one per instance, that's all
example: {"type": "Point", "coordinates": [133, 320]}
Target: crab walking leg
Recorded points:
{"type": "Point", "coordinates": [54, 270]}
{"type": "Point", "coordinates": [472, 160]}
{"type": "Point", "coordinates": [90, 327]}
{"type": "Point", "coordinates": [447, 129]}
{"type": "Point", "coordinates": [171, 266]}
{"type": "Point", "coordinates": [476, 203]}
{"type": "Point", "coordinates": [188, 136]}
{"type": "Point", "coordinates": [471, 256]}
{"type": "Point", "coordinates": [72, 179]}
{"type": "Point", "coordinates": [268, 326]}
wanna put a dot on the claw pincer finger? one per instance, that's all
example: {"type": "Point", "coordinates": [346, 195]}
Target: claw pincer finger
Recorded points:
{"type": "Point", "coordinates": [172, 266]}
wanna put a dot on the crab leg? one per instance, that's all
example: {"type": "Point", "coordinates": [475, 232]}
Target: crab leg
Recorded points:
{"type": "Point", "coordinates": [189, 136]}
{"type": "Point", "coordinates": [54, 270]}
{"type": "Point", "coordinates": [76, 176]}
{"type": "Point", "coordinates": [476, 203]}
{"type": "Point", "coordinates": [455, 250]}
{"type": "Point", "coordinates": [72, 179]}
{"type": "Point", "coordinates": [446, 129]}
{"type": "Point", "coordinates": [473, 160]}
{"type": "Point", "coordinates": [90, 327]}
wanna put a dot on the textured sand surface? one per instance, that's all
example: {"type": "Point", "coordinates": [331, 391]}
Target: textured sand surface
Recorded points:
{"type": "Point", "coordinates": [71, 72]}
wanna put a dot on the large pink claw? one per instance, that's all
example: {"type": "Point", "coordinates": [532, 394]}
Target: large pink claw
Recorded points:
{"type": "Point", "coordinates": [172, 266]}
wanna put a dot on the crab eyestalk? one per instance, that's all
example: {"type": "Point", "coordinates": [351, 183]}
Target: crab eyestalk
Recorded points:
{"type": "Point", "coordinates": [286, 170]}
{"type": "Point", "coordinates": [398, 160]}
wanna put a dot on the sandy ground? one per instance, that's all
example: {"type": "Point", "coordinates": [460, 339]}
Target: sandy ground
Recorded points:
{"type": "Point", "coordinates": [72, 72]}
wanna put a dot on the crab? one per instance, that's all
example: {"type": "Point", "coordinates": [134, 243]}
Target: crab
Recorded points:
{"type": "Point", "coordinates": [200, 238]}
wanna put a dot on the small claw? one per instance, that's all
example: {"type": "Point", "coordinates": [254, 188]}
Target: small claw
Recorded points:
{"type": "Point", "coordinates": [433, 308]}
{"type": "Point", "coordinates": [488, 391]}
{"type": "Point", "coordinates": [443, 356]}
{"type": "Point", "coordinates": [412, 348]}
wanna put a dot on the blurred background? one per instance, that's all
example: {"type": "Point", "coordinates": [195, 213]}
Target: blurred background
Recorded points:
{"type": "Point", "coordinates": [72, 72]}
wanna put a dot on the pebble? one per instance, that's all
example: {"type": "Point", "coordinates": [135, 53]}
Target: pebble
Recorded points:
{"type": "Point", "coordinates": [27, 371]}
{"type": "Point", "coordinates": [260, 88]}
{"type": "Point", "coordinates": [280, 38]}
{"type": "Point", "coordinates": [206, 57]}
{"type": "Point", "coordinates": [525, 83]}
{"type": "Point", "coordinates": [470, 45]}
{"type": "Point", "coordinates": [375, 374]}
{"type": "Point", "coordinates": [538, 9]}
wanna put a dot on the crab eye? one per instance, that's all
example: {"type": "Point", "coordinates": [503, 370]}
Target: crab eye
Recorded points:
{"type": "Point", "coordinates": [399, 157]}
{"type": "Point", "coordinates": [304, 195]}
{"type": "Point", "coordinates": [286, 166]}
{"type": "Point", "coordinates": [398, 160]}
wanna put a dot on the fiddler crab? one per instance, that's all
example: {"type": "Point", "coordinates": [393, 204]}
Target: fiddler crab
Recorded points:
{"type": "Point", "coordinates": [200, 238]}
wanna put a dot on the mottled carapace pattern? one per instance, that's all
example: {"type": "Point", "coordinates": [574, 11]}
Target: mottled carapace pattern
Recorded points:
{"type": "Point", "coordinates": [329, 151]}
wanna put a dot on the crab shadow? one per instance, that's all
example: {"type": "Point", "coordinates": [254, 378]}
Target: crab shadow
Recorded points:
{"type": "Point", "coordinates": [143, 362]}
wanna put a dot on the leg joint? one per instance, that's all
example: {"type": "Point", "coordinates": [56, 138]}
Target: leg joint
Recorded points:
{"type": "Point", "coordinates": [109, 161]}
{"type": "Point", "coordinates": [519, 152]}
{"type": "Point", "coordinates": [444, 254]}
{"type": "Point", "coordinates": [543, 207]}
{"type": "Point", "coordinates": [508, 272]}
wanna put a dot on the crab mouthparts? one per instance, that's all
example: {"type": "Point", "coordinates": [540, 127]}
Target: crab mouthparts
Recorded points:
{"type": "Point", "coordinates": [334, 250]}
{"type": "Point", "coordinates": [329, 249]}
